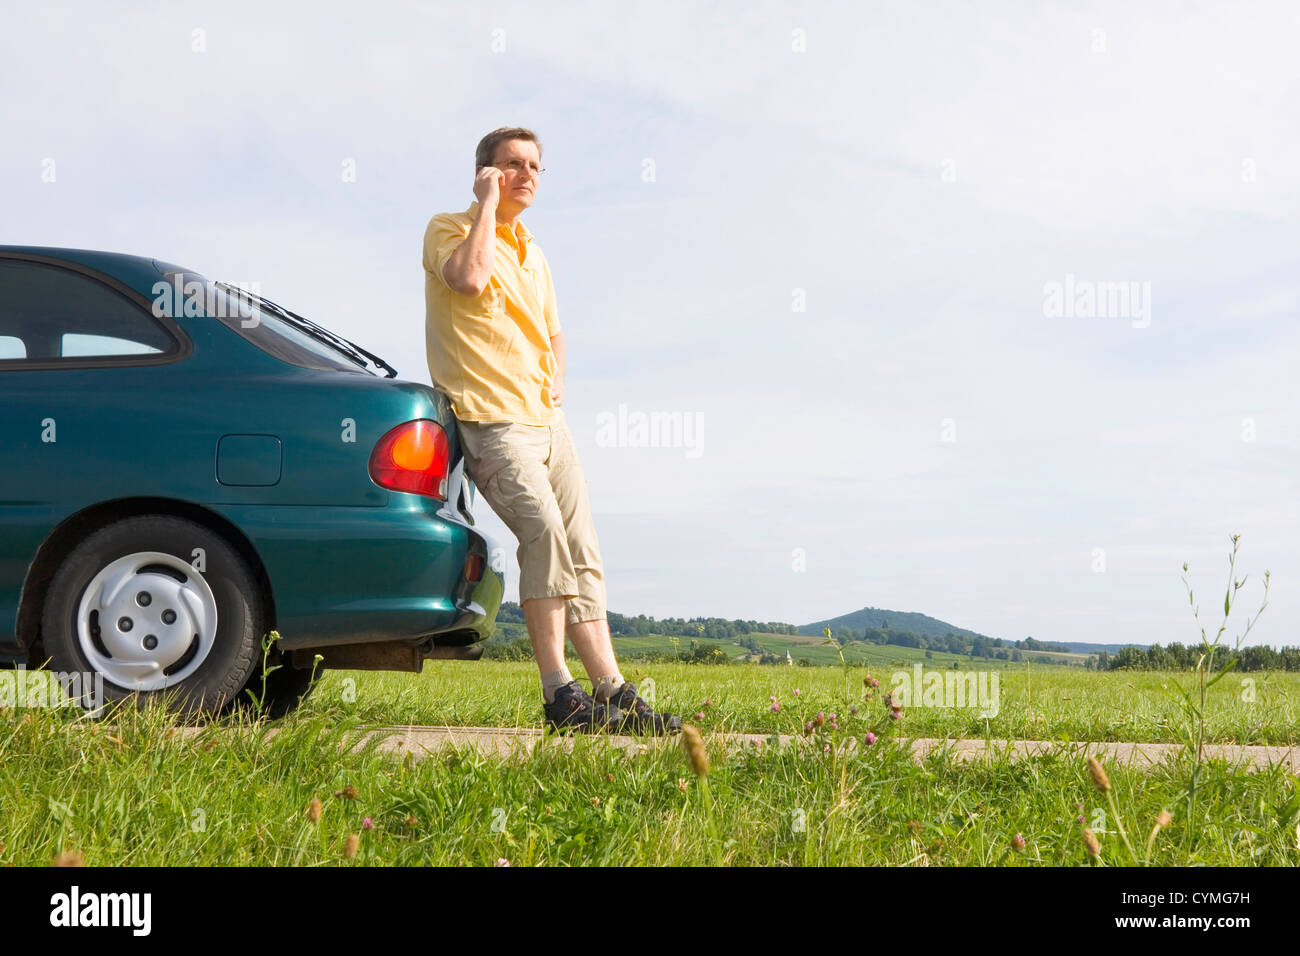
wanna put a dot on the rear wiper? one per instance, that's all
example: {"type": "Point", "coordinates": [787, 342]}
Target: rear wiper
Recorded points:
{"type": "Point", "coordinates": [351, 349]}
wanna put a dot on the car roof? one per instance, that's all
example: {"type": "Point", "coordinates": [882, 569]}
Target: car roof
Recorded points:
{"type": "Point", "coordinates": [118, 264]}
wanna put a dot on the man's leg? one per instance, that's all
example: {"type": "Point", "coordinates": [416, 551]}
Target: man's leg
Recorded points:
{"type": "Point", "coordinates": [591, 641]}
{"type": "Point", "coordinates": [587, 625]}
{"type": "Point", "coordinates": [544, 618]}
{"type": "Point", "coordinates": [506, 462]}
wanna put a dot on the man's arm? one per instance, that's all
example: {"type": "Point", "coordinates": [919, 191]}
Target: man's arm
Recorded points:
{"type": "Point", "coordinates": [469, 269]}
{"type": "Point", "coordinates": [552, 314]}
{"type": "Point", "coordinates": [557, 387]}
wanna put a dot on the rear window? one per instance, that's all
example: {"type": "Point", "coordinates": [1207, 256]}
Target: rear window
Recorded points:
{"type": "Point", "coordinates": [269, 332]}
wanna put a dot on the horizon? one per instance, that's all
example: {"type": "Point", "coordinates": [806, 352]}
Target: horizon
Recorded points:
{"type": "Point", "coordinates": [1007, 640]}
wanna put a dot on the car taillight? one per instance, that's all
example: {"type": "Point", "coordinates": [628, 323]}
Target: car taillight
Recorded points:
{"type": "Point", "coordinates": [412, 457]}
{"type": "Point", "coordinates": [474, 567]}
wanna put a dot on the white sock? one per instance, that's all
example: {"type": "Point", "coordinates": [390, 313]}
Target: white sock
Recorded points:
{"type": "Point", "coordinates": [554, 681]}
{"type": "Point", "coordinates": [604, 687]}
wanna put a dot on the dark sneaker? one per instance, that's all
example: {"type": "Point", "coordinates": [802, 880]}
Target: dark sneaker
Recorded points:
{"type": "Point", "coordinates": [573, 708]}
{"type": "Point", "coordinates": [637, 715]}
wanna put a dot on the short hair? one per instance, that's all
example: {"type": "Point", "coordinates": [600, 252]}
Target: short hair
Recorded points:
{"type": "Point", "coordinates": [487, 146]}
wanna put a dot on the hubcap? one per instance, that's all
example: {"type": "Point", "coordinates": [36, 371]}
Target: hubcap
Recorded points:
{"type": "Point", "coordinates": [147, 621]}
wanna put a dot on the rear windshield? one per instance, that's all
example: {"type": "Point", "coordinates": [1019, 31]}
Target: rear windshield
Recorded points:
{"type": "Point", "coordinates": [269, 332]}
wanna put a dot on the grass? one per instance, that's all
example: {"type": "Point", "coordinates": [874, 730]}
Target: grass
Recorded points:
{"type": "Point", "coordinates": [134, 792]}
{"type": "Point", "coordinates": [1040, 703]}
{"type": "Point", "coordinates": [136, 795]}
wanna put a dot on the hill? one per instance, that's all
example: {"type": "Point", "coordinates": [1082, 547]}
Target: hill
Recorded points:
{"type": "Point", "coordinates": [874, 617]}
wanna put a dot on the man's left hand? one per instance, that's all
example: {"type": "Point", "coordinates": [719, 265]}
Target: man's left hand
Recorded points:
{"type": "Point", "coordinates": [557, 392]}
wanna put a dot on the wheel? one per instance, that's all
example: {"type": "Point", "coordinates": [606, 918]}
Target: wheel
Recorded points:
{"type": "Point", "coordinates": [155, 604]}
{"type": "Point", "coordinates": [286, 687]}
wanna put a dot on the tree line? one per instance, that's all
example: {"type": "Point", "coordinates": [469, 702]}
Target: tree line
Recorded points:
{"type": "Point", "coordinates": [623, 625]}
{"type": "Point", "coordinates": [993, 648]}
{"type": "Point", "coordinates": [1176, 656]}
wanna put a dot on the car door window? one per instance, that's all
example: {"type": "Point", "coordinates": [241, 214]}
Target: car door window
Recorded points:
{"type": "Point", "coordinates": [12, 347]}
{"type": "Point", "coordinates": [77, 344]}
{"type": "Point", "coordinates": [49, 314]}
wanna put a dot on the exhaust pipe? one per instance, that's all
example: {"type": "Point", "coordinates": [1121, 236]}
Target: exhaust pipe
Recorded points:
{"type": "Point", "coordinates": [384, 656]}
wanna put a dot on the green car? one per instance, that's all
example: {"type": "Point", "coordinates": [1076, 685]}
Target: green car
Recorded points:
{"type": "Point", "coordinates": [189, 467]}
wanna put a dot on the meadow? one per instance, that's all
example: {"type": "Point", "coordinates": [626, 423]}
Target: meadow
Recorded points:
{"type": "Point", "coordinates": [1056, 703]}
{"type": "Point", "coordinates": [816, 651]}
{"type": "Point", "coordinates": [130, 790]}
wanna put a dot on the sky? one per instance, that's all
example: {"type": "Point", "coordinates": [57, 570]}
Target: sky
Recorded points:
{"type": "Point", "coordinates": [829, 237]}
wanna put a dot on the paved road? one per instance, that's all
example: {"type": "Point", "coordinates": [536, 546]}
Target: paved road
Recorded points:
{"type": "Point", "coordinates": [504, 741]}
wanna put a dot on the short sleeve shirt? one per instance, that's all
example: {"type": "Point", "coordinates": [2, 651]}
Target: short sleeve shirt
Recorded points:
{"type": "Point", "coordinates": [491, 354]}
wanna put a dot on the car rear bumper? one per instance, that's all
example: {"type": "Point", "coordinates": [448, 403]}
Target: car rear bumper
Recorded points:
{"type": "Point", "coordinates": [355, 575]}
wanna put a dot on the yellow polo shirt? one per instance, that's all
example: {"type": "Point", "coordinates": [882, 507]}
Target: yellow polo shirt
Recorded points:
{"type": "Point", "coordinates": [491, 354]}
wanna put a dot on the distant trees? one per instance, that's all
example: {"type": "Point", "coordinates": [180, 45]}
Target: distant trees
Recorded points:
{"type": "Point", "coordinates": [510, 613]}
{"type": "Point", "coordinates": [715, 628]}
{"type": "Point", "coordinates": [1176, 656]}
{"type": "Point", "coordinates": [1129, 658]}
{"type": "Point", "coordinates": [1029, 644]}
{"type": "Point", "coordinates": [623, 625]}
{"type": "Point", "coordinates": [741, 631]}
{"type": "Point", "coordinates": [950, 643]}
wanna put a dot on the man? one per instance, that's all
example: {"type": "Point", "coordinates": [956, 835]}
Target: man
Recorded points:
{"type": "Point", "coordinates": [496, 351]}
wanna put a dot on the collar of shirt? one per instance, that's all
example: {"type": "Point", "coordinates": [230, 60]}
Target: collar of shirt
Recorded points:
{"type": "Point", "coordinates": [521, 234]}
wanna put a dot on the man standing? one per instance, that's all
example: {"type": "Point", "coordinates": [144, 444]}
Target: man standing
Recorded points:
{"type": "Point", "coordinates": [496, 351]}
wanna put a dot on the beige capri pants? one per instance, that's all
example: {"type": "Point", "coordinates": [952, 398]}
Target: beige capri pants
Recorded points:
{"type": "Point", "coordinates": [531, 478]}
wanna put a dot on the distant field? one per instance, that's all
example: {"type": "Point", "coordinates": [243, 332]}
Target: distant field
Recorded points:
{"type": "Point", "coordinates": [1032, 701]}
{"type": "Point", "coordinates": [1035, 702]}
{"type": "Point", "coordinates": [816, 651]}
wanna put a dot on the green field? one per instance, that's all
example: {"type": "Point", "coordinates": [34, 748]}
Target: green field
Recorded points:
{"type": "Point", "coordinates": [815, 650]}
{"type": "Point", "coordinates": [1035, 703]}
{"type": "Point", "coordinates": [131, 793]}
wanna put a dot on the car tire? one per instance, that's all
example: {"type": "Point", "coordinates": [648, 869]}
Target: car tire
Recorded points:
{"type": "Point", "coordinates": [155, 605]}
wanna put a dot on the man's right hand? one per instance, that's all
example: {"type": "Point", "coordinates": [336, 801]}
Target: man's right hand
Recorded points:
{"type": "Point", "coordinates": [487, 185]}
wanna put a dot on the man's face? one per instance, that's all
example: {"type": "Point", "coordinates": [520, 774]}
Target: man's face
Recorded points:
{"type": "Point", "coordinates": [513, 158]}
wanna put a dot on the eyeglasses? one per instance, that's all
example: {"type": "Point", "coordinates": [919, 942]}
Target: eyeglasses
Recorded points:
{"type": "Point", "coordinates": [519, 166]}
